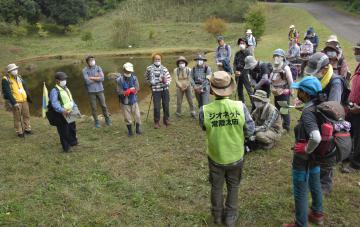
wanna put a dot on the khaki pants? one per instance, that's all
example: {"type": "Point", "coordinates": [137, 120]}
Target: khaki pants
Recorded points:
{"type": "Point", "coordinates": [268, 137]}
{"type": "Point", "coordinates": [179, 99]}
{"type": "Point", "coordinates": [21, 117]}
{"type": "Point", "coordinates": [131, 111]}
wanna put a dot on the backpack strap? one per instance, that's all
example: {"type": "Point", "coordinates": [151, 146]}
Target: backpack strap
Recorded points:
{"type": "Point", "coordinates": [59, 96]}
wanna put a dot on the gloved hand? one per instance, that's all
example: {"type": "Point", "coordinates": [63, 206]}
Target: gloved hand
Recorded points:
{"type": "Point", "coordinates": [127, 92]}
{"type": "Point", "coordinates": [300, 147]}
{"type": "Point", "coordinates": [133, 91]}
{"type": "Point", "coordinates": [252, 138]}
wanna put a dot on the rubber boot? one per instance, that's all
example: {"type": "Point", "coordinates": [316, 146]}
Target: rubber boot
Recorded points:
{"type": "Point", "coordinates": [138, 130]}
{"type": "Point", "coordinates": [130, 132]}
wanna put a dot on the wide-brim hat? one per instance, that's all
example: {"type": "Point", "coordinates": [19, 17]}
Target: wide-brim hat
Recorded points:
{"type": "Point", "coordinates": [222, 84]}
{"type": "Point", "coordinates": [181, 59]}
{"type": "Point", "coordinates": [12, 67]}
{"type": "Point", "coordinates": [250, 62]}
{"type": "Point", "coordinates": [261, 95]}
{"type": "Point", "coordinates": [330, 46]}
{"type": "Point", "coordinates": [332, 38]}
{"type": "Point", "coordinates": [248, 31]}
{"type": "Point", "coordinates": [316, 62]}
{"type": "Point", "coordinates": [200, 57]}
{"type": "Point", "coordinates": [128, 67]}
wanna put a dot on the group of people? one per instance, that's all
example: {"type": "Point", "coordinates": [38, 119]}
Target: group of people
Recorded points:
{"type": "Point", "coordinates": [231, 127]}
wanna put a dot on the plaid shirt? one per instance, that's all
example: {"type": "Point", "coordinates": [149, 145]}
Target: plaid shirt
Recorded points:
{"type": "Point", "coordinates": [154, 76]}
{"type": "Point", "coordinates": [198, 76]}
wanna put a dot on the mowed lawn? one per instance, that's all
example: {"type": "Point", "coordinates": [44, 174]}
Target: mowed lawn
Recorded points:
{"type": "Point", "coordinates": [161, 177]}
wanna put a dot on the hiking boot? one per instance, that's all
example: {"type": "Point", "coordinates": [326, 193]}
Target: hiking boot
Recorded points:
{"type": "Point", "coordinates": [316, 218]}
{"type": "Point", "coordinates": [97, 124]}
{"type": "Point", "coordinates": [28, 132]}
{"type": "Point", "coordinates": [230, 221]}
{"type": "Point", "coordinates": [108, 121]}
{"type": "Point", "coordinates": [193, 115]}
{"type": "Point", "coordinates": [130, 132]}
{"type": "Point", "coordinates": [166, 122]}
{"type": "Point", "coordinates": [347, 168]}
{"type": "Point", "coordinates": [157, 125]}
{"type": "Point", "coordinates": [178, 114]}
{"type": "Point", "coordinates": [138, 130]}
{"type": "Point", "coordinates": [218, 220]}
{"type": "Point", "coordinates": [21, 135]}
{"type": "Point", "coordinates": [268, 146]}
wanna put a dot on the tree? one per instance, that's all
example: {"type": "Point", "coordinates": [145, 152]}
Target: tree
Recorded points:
{"type": "Point", "coordinates": [67, 12]}
{"type": "Point", "coordinates": [15, 10]}
{"type": "Point", "coordinates": [215, 26]}
{"type": "Point", "coordinates": [255, 20]}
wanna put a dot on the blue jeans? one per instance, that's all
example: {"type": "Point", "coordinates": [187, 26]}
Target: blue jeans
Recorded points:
{"type": "Point", "coordinates": [304, 179]}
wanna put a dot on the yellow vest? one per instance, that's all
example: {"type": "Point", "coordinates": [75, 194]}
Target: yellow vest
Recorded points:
{"type": "Point", "coordinates": [66, 98]}
{"type": "Point", "coordinates": [17, 88]}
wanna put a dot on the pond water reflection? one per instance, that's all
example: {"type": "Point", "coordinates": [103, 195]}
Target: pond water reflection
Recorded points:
{"type": "Point", "coordinates": [38, 72]}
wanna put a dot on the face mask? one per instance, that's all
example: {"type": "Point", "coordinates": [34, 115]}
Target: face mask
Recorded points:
{"type": "Point", "coordinates": [278, 61]}
{"type": "Point", "coordinates": [92, 63]}
{"type": "Point", "coordinates": [258, 104]}
{"type": "Point", "coordinates": [157, 63]}
{"type": "Point", "coordinates": [242, 46]}
{"type": "Point", "coordinates": [182, 65]}
{"type": "Point", "coordinates": [200, 62]}
{"type": "Point", "coordinates": [331, 54]}
{"type": "Point", "coordinates": [127, 74]}
{"type": "Point", "coordinates": [62, 83]}
{"type": "Point", "coordinates": [14, 72]}
{"type": "Point", "coordinates": [357, 58]}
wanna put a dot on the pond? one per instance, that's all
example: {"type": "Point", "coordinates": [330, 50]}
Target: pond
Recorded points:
{"type": "Point", "coordinates": [37, 72]}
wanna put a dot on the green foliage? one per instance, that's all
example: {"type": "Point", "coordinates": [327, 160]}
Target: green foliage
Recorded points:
{"type": "Point", "coordinates": [151, 34]}
{"type": "Point", "coordinates": [15, 10]}
{"type": "Point", "coordinates": [54, 28]}
{"type": "Point", "coordinates": [215, 26]}
{"type": "Point", "coordinates": [67, 12]}
{"type": "Point", "coordinates": [41, 32]}
{"type": "Point", "coordinates": [125, 31]}
{"type": "Point", "coordinates": [255, 20]}
{"type": "Point", "coordinates": [87, 37]}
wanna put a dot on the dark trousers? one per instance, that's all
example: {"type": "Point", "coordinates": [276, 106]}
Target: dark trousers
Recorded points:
{"type": "Point", "coordinates": [217, 176]}
{"type": "Point", "coordinates": [285, 117]}
{"type": "Point", "coordinates": [326, 173]}
{"type": "Point", "coordinates": [242, 81]}
{"type": "Point", "coordinates": [67, 133]}
{"type": "Point", "coordinates": [355, 134]}
{"type": "Point", "coordinates": [161, 97]}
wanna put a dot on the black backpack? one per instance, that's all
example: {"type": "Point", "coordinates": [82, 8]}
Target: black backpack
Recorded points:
{"type": "Point", "coordinates": [54, 118]}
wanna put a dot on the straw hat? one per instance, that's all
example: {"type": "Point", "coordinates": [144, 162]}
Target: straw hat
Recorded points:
{"type": "Point", "coordinates": [222, 84]}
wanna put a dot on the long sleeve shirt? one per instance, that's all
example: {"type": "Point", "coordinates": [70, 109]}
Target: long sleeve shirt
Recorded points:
{"type": "Point", "coordinates": [91, 85]}
{"type": "Point", "coordinates": [155, 75]}
{"type": "Point", "coordinates": [251, 40]}
{"type": "Point", "coordinates": [223, 53]}
{"type": "Point", "coordinates": [239, 60]}
{"type": "Point", "coordinates": [54, 98]}
{"type": "Point", "coordinates": [121, 79]}
{"type": "Point", "coordinates": [199, 76]}
{"type": "Point", "coordinates": [249, 123]}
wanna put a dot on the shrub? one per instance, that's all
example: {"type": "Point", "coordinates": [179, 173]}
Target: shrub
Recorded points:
{"type": "Point", "coordinates": [41, 32]}
{"type": "Point", "coordinates": [215, 26]}
{"type": "Point", "coordinates": [125, 31]}
{"type": "Point", "coordinates": [5, 28]}
{"type": "Point", "coordinates": [255, 20]}
{"type": "Point", "coordinates": [54, 29]}
{"type": "Point", "coordinates": [87, 37]}
{"type": "Point", "coordinates": [151, 34]}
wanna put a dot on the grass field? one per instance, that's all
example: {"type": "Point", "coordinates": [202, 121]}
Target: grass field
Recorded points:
{"type": "Point", "coordinates": [159, 178]}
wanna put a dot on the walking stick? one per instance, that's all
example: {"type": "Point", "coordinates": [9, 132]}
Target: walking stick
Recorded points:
{"type": "Point", "coordinates": [147, 115]}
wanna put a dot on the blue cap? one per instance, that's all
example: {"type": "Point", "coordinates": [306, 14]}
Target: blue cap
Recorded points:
{"type": "Point", "coordinates": [309, 84]}
{"type": "Point", "coordinates": [220, 37]}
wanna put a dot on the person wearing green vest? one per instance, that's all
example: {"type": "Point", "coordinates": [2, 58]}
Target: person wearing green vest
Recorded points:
{"type": "Point", "coordinates": [63, 103]}
{"type": "Point", "coordinates": [227, 123]}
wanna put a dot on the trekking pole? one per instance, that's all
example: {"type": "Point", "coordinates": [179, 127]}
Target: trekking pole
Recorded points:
{"type": "Point", "coordinates": [147, 115]}
{"type": "Point", "coordinates": [21, 121]}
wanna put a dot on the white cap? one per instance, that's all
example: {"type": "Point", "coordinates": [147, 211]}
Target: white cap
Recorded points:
{"type": "Point", "coordinates": [248, 31]}
{"type": "Point", "coordinates": [128, 67]}
{"type": "Point", "coordinates": [292, 26]}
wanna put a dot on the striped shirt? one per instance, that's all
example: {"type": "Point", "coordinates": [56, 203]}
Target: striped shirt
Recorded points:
{"type": "Point", "coordinates": [155, 75]}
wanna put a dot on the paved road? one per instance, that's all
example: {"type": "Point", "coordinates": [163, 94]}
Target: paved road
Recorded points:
{"type": "Point", "coordinates": [340, 23]}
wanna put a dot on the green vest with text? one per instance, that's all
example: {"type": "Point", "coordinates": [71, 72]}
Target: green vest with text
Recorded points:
{"type": "Point", "coordinates": [66, 98]}
{"type": "Point", "coordinates": [224, 120]}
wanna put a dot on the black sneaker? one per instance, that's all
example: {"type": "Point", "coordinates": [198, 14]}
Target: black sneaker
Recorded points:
{"type": "Point", "coordinates": [28, 132]}
{"type": "Point", "coordinates": [21, 135]}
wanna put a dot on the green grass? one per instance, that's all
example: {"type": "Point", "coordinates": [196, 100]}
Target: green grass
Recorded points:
{"type": "Point", "coordinates": [159, 178]}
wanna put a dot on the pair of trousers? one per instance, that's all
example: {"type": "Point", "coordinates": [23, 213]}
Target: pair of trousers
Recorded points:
{"type": "Point", "coordinates": [67, 133]}
{"type": "Point", "coordinates": [203, 97]}
{"type": "Point", "coordinates": [306, 176]}
{"type": "Point", "coordinates": [327, 173]}
{"type": "Point", "coordinates": [100, 97]}
{"type": "Point", "coordinates": [130, 112]}
{"type": "Point", "coordinates": [219, 174]}
{"type": "Point", "coordinates": [21, 117]}
{"type": "Point", "coordinates": [179, 98]}
{"type": "Point", "coordinates": [267, 137]}
{"type": "Point", "coordinates": [355, 134]}
{"type": "Point", "coordinates": [243, 81]}
{"type": "Point", "coordinates": [161, 98]}
{"type": "Point", "coordinates": [285, 117]}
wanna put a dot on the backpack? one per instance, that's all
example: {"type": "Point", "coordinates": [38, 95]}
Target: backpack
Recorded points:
{"type": "Point", "coordinates": [205, 68]}
{"type": "Point", "coordinates": [335, 132]}
{"type": "Point", "coordinates": [294, 71]}
{"type": "Point", "coordinates": [54, 118]}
